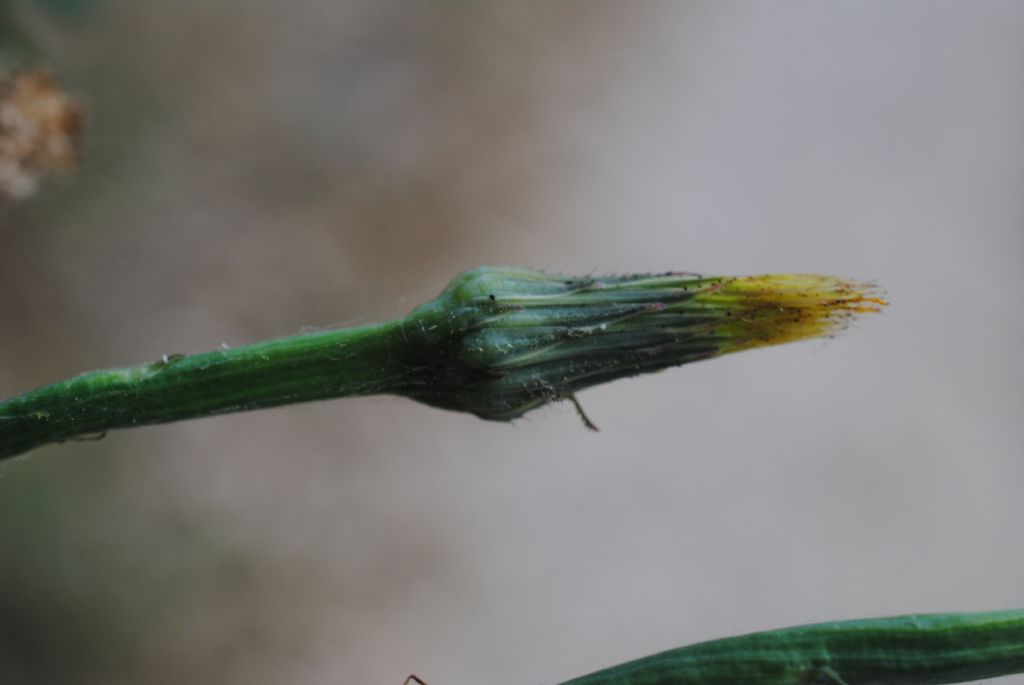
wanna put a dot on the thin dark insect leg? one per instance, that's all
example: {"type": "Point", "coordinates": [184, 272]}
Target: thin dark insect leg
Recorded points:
{"type": "Point", "coordinates": [583, 415]}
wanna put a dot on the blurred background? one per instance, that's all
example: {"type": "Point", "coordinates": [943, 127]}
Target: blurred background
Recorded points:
{"type": "Point", "coordinates": [253, 168]}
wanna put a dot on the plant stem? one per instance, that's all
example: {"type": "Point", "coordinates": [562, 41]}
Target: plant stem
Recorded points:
{"type": "Point", "coordinates": [497, 343]}
{"type": "Point", "coordinates": [357, 361]}
{"type": "Point", "coordinates": [926, 649]}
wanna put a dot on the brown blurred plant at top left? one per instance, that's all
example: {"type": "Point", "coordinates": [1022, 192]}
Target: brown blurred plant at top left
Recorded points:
{"type": "Point", "coordinates": [40, 130]}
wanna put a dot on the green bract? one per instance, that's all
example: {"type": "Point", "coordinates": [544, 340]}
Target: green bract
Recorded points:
{"type": "Point", "coordinates": [508, 340]}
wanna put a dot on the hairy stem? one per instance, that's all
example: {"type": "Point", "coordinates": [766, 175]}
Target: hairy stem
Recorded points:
{"type": "Point", "coordinates": [358, 361]}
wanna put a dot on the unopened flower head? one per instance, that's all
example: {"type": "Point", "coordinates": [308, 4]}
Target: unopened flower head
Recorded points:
{"type": "Point", "coordinates": [516, 339]}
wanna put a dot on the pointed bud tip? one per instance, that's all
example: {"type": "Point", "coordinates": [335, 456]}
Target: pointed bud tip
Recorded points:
{"type": "Point", "coordinates": [779, 308]}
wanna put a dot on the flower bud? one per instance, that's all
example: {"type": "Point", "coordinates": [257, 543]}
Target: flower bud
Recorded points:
{"type": "Point", "coordinates": [509, 340]}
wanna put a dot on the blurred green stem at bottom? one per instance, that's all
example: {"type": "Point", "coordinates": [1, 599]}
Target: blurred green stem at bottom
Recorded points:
{"type": "Point", "coordinates": [497, 342]}
{"type": "Point", "coordinates": [924, 649]}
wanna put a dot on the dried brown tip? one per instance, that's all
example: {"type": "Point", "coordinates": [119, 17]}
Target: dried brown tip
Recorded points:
{"type": "Point", "coordinates": [780, 308]}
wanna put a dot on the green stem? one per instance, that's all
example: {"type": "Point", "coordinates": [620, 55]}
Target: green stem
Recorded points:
{"type": "Point", "coordinates": [357, 361]}
{"type": "Point", "coordinates": [496, 343]}
{"type": "Point", "coordinates": [927, 649]}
